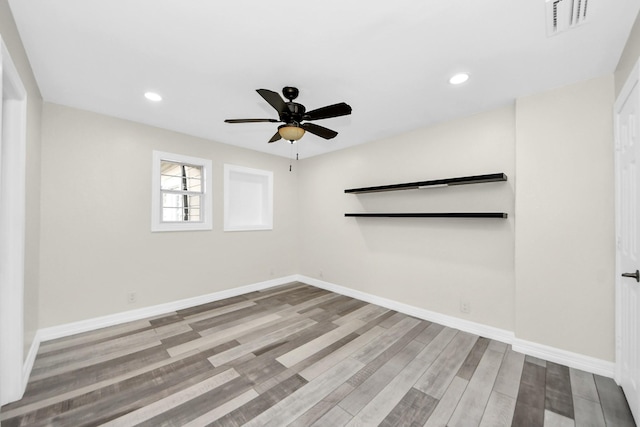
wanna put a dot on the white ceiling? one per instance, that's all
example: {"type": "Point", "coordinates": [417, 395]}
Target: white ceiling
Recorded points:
{"type": "Point", "coordinates": [390, 60]}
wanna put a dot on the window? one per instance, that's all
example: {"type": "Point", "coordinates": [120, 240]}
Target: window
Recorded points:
{"type": "Point", "coordinates": [181, 198]}
{"type": "Point", "coordinates": [248, 199]}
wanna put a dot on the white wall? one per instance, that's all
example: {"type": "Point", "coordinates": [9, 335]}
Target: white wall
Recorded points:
{"type": "Point", "coordinates": [565, 249]}
{"type": "Point", "coordinates": [429, 263]}
{"type": "Point", "coordinates": [96, 204]}
{"type": "Point", "coordinates": [12, 40]}
{"type": "Point", "coordinates": [546, 273]}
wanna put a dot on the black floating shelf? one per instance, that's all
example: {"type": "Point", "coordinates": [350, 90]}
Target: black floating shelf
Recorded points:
{"type": "Point", "coordinates": [430, 215]}
{"type": "Point", "coordinates": [476, 179]}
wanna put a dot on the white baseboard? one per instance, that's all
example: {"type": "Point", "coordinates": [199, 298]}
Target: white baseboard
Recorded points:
{"type": "Point", "coordinates": [552, 354]}
{"type": "Point", "coordinates": [68, 329]}
{"type": "Point", "coordinates": [27, 365]}
{"type": "Point", "coordinates": [564, 357]}
{"type": "Point", "coordinates": [573, 360]}
{"type": "Point", "coordinates": [501, 335]}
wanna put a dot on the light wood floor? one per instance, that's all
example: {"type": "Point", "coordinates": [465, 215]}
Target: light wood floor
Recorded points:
{"type": "Point", "coordinates": [297, 355]}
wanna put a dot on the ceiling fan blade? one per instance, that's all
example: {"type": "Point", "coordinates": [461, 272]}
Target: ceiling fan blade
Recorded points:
{"type": "Point", "coordinates": [322, 132]}
{"type": "Point", "coordinates": [251, 121]}
{"type": "Point", "coordinates": [273, 99]}
{"type": "Point", "coordinates": [275, 137]}
{"type": "Point", "coordinates": [335, 110]}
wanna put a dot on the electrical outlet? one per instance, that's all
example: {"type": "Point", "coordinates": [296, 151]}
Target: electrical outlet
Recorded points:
{"type": "Point", "coordinates": [132, 297]}
{"type": "Point", "coordinates": [465, 307]}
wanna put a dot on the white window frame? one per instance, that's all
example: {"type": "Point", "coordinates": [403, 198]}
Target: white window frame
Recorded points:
{"type": "Point", "coordinates": [266, 199]}
{"type": "Point", "coordinates": [156, 194]}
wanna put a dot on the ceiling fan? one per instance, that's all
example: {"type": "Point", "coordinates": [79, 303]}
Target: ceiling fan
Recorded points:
{"type": "Point", "coordinates": [293, 114]}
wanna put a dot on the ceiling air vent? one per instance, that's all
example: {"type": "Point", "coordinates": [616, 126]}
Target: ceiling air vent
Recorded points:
{"type": "Point", "coordinates": [563, 15]}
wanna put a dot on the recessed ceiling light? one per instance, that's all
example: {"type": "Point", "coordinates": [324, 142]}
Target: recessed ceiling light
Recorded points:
{"type": "Point", "coordinates": [459, 78]}
{"type": "Point", "coordinates": [152, 96]}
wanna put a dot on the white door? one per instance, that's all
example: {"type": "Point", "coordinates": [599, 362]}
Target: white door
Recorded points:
{"type": "Point", "coordinates": [627, 117]}
{"type": "Point", "coordinates": [12, 227]}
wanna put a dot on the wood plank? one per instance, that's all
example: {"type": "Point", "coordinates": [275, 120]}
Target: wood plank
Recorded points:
{"type": "Point", "coordinates": [222, 319]}
{"type": "Point", "coordinates": [356, 314]}
{"type": "Point", "coordinates": [103, 405]}
{"type": "Point", "coordinates": [200, 404]}
{"type": "Point", "coordinates": [93, 360]}
{"type": "Point", "coordinates": [208, 314]}
{"type": "Point", "coordinates": [499, 410]}
{"type": "Point", "coordinates": [471, 362]}
{"type": "Point", "coordinates": [86, 375]}
{"type": "Point", "coordinates": [614, 405]}
{"type": "Point", "coordinates": [210, 306]}
{"type": "Point", "coordinates": [372, 350]}
{"type": "Point", "coordinates": [371, 367]}
{"type": "Point", "coordinates": [318, 411]}
{"type": "Point", "coordinates": [535, 361]}
{"type": "Point", "coordinates": [445, 407]}
{"type": "Point", "coordinates": [375, 312]}
{"type": "Point", "coordinates": [222, 410]}
{"type": "Point", "coordinates": [261, 368]}
{"type": "Point", "coordinates": [336, 417]}
{"type": "Point", "coordinates": [229, 334]}
{"type": "Point", "coordinates": [33, 404]}
{"type": "Point", "coordinates": [508, 380]}
{"type": "Point", "coordinates": [474, 400]}
{"type": "Point", "coordinates": [587, 412]}
{"type": "Point", "coordinates": [180, 339]}
{"type": "Point", "coordinates": [558, 397]}
{"type": "Point", "coordinates": [264, 382]}
{"type": "Point", "coordinates": [437, 378]}
{"type": "Point", "coordinates": [378, 408]}
{"type": "Point", "coordinates": [61, 359]}
{"type": "Point", "coordinates": [393, 319]}
{"type": "Point", "coordinates": [368, 389]}
{"type": "Point", "coordinates": [294, 405]}
{"type": "Point", "coordinates": [85, 338]}
{"type": "Point", "coordinates": [260, 404]}
{"type": "Point", "coordinates": [413, 409]}
{"type": "Point", "coordinates": [529, 409]}
{"type": "Point", "coordinates": [583, 385]}
{"type": "Point", "coordinates": [302, 352]}
{"type": "Point", "coordinates": [552, 419]}
{"type": "Point", "coordinates": [173, 400]}
{"type": "Point", "coordinates": [334, 358]}
{"type": "Point", "coordinates": [235, 322]}
{"type": "Point", "coordinates": [235, 352]}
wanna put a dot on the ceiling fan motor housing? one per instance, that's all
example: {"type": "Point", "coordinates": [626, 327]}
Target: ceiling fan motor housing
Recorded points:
{"type": "Point", "coordinates": [295, 113]}
{"type": "Point", "coordinates": [290, 92]}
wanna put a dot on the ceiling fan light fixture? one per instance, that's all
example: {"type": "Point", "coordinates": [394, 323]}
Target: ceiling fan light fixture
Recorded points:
{"type": "Point", "coordinates": [290, 132]}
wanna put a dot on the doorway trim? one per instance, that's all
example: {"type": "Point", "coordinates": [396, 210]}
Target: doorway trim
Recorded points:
{"type": "Point", "coordinates": [632, 80]}
{"type": "Point", "coordinates": [13, 119]}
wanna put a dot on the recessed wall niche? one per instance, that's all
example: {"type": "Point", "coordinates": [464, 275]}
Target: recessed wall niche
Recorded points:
{"type": "Point", "coordinates": [248, 199]}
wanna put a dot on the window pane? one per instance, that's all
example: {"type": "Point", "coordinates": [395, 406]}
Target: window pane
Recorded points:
{"type": "Point", "coordinates": [172, 200]}
{"type": "Point", "coordinates": [171, 215]}
{"type": "Point", "coordinates": [193, 171]}
{"type": "Point", "coordinates": [181, 208]}
{"type": "Point", "coordinates": [194, 184]}
{"type": "Point", "coordinates": [177, 177]}
{"type": "Point", "coordinates": [194, 201]}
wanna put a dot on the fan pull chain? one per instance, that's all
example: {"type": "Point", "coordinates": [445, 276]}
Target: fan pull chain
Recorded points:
{"type": "Point", "coordinates": [291, 142]}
